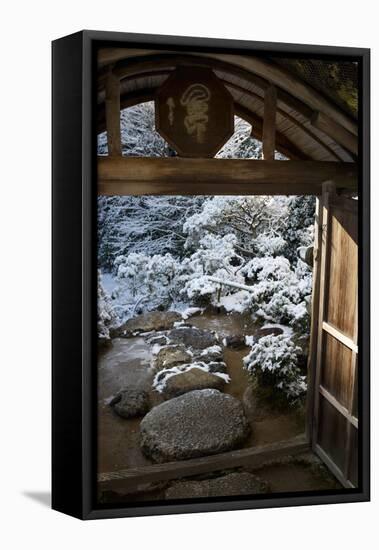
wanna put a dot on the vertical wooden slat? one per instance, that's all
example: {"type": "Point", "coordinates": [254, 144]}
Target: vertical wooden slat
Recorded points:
{"type": "Point", "coordinates": [354, 381]}
{"type": "Point", "coordinates": [311, 368]}
{"type": "Point", "coordinates": [112, 114]}
{"type": "Point", "coordinates": [328, 189]}
{"type": "Point", "coordinates": [269, 123]}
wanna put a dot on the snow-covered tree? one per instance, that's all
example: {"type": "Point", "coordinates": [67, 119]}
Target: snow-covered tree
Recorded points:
{"type": "Point", "coordinates": [299, 229]}
{"type": "Point", "coordinates": [142, 224]}
{"type": "Point", "coordinates": [145, 282]}
{"type": "Point", "coordinates": [257, 222]}
{"type": "Point", "coordinates": [106, 315]}
{"type": "Point", "coordinates": [273, 363]}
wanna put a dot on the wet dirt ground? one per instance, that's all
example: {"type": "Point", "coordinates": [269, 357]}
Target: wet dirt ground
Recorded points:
{"type": "Point", "coordinates": [124, 364]}
{"type": "Point", "coordinates": [127, 363]}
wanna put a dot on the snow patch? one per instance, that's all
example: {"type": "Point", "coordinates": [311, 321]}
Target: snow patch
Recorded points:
{"type": "Point", "coordinates": [160, 379]}
{"type": "Point", "coordinates": [287, 331]}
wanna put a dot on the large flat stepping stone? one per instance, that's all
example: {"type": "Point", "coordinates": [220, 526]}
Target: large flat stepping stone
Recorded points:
{"type": "Point", "coordinates": [193, 337]}
{"type": "Point", "coordinates": [192, 379]}
{"type": "Point", "coordinates": [198, 423]}
{"type": "Point", "coordinates": [236, 483]}
{"type": "Point", "coordinates": [154, 320]}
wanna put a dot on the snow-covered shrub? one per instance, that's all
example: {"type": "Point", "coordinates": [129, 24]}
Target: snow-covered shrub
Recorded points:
{"type": "Point", "coordinates": [106, 315]}
{"type": "Point", "coordinates": [269, 245]}
{"type": "Point", "coordinates": [273, 363]}
{"type": "Point", "coordinates": [279, 293]}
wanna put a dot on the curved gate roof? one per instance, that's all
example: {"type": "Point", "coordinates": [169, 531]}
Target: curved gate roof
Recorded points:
{"type": "Point", "coordinates": [317, 100]}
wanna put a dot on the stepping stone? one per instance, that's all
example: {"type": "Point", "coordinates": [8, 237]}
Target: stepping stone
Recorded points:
{"type": "Point", "coordinates": [198, 423]}
{"type": "Point", "coordinates": [208, 355]}
{"type": "Point", "coordinates": [192, 379]}
{"type": "Point", "coordinates": [171, 356]}
{"type": "Point", "coordinates": [192, 337]}
{"type": "Point", "coordinates": [236, 483]}
{"type": "Point", "coordinates": [155, 320]}
{"type": "Point", "coordinates": [130, 403]}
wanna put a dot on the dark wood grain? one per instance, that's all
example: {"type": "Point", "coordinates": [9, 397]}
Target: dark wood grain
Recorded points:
{"type": "Point", "coordinates": [136, 176]}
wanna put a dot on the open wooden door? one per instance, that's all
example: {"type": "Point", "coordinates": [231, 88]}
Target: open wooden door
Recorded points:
{"type": "Point", "coordinates": [334, 426]}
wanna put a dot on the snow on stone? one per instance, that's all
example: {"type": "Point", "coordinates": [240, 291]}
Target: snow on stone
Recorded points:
{"type": "Point", "coordinates": [160, 379]}
{"type": "Point", "coordinates": [287, 331]}
{"type": "Point", "coordinates": [189, 311]}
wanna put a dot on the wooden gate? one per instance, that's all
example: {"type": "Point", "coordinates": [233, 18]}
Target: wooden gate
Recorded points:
{"type": "Point", "coordinates": [334, 422]}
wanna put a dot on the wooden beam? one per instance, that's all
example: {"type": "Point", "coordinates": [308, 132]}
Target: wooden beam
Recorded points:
{"type": "Point", "coordinates": [331, 128]}
{"type": "Point", "coordinates": [112, 114]}
{"type": "Point", "coordinates": [269, 123]}
{"type": "Point", "coordinates": [138, 176]}
{"type": "Point", "coordinates": [253, 457]}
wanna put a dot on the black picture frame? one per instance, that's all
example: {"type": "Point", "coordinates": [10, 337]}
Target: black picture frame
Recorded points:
{"type": "Point", "coordinates": [74, 275]}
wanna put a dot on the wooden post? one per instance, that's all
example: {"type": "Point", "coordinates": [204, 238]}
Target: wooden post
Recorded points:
{"type": "Point", "coordinates": [218, 295]}
{"type": "Point", "coordinates": [112, 114]}
{"type": "Point", "coordinates": [269, 123]}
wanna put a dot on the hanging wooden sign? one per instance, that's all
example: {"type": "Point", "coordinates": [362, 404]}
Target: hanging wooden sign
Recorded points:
{"type": "Point", "coordinates": [194, 112]}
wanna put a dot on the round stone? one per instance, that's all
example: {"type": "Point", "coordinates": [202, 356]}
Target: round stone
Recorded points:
{"type": "Point", "coordinates": [198, 423]}
{"type": "Point", "coordinates": [130, 403]}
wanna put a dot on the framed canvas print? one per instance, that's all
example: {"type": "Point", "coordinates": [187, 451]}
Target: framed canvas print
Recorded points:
{"type": "Point", "coordinates": [210, 275]}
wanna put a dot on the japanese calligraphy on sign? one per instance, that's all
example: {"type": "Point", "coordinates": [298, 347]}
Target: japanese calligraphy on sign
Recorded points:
{"type": "Point", "coordinates": [194, 112]}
